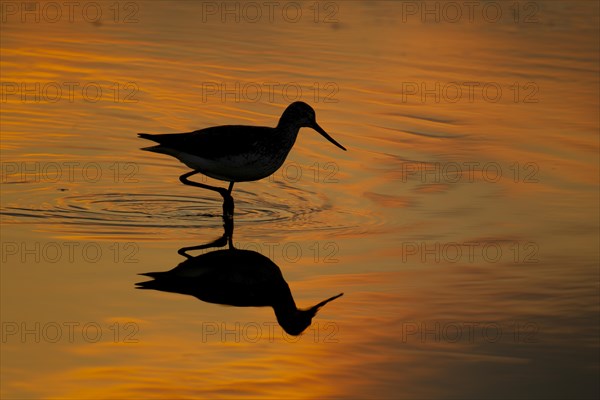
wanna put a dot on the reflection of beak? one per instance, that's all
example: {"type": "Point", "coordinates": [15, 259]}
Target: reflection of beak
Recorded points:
{"type": "Point", "coordinates": [317, 128]}
{"type": "Point", "coordinates": [321, 304]}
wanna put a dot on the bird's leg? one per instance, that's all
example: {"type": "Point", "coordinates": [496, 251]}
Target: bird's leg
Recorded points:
{"type": "Point", "coordinates": [225, 193]}
{"type": "Point", "coordinates": [184, 179]}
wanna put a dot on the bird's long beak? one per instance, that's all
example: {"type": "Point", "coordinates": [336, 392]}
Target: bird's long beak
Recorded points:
{"type": "Point", "coordinates": [317, 128]}
{"type": "Point", "coordinates": [321, 304]}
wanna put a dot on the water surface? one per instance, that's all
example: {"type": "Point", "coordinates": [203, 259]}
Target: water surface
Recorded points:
{"type": "Point", "coordinates": [461, 225]}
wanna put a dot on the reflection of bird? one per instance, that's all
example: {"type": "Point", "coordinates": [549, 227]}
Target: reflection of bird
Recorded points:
{"type": "Point", "coordinates": [240, 278]}
{"type": "Point", "coordinates": [238, 153]}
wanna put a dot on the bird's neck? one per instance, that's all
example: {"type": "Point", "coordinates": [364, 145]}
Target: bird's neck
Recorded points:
{"type": "Point", "coordinates": [288, 121]}
{"type": "Point", "coordinates": [285, 134]}
{"type": "Point", "coordinates": [284, 304]}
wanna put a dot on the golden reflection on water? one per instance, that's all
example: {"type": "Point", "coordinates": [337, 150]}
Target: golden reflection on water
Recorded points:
{"type": "Point", "coordinates": [412, 242]}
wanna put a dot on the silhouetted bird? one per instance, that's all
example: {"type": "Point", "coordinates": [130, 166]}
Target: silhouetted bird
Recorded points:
{"type": "Point", "coordinates": [237, 153]}
{"type": "Point", "coordinates": [241, 278]}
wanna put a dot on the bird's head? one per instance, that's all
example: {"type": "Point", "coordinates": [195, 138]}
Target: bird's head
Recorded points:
{"type": "Point", "coordinates": [296, 322]}
{"type": "Point", "coordinates": [302, 115]}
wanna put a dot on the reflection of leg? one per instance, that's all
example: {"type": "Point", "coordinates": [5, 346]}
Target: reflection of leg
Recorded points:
{"type": "Point", "coordinates": [228, 207]}
{"type": "Point", "coordinates": [228, 203]}
{"type": "Point", "coordinates": [228, 225]}
{"type": "Point", "coordinates": [220, 242]}
{"type": "Point", "coordinates": [226, 239]}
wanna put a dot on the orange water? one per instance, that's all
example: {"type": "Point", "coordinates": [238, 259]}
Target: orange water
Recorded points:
{"type": "Point", "coordinates": [462, 223]}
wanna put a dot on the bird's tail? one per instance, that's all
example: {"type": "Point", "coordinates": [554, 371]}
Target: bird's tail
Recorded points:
{"type": "Point", "coordinates": [153, 284]}
{"type": "Point", "coordinates": [156, 148]}
{"type": "Point", "coordinates": [146, 136]}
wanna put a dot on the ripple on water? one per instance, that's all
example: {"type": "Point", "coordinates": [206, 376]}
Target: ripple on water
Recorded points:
{"type": "Point", "coordinates": [139, 210]}
{"type": "Point", "coordinates": [147, 212]}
